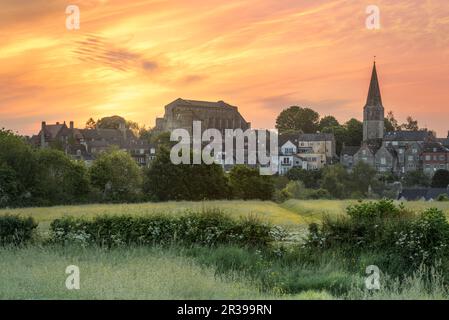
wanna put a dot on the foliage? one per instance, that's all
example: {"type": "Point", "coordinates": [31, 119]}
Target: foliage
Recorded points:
{"type": "Point", "coordinates": [416, 179]}
{"type": "Point", "coordinates": [440, 179]}
{"type": "Point", "coordinates": [208, 228]}
{"type": "Point", "coordinates": [310, 178]}
{"type": "Point", "coordinates": [246, 183]}
{"type": "Point", "coordinates": [16, 230]}
{"type": "Point", "coordinates": [405, 240]}
{"type": "Point", "coordinates": [334, 181]}
{"type": "Point", "coordinates": [328, 122]}
{"type": "Point", "coordinates": [167, 181]}
{"type": "Point", "coordinates": [443, 197]}
{"type": "Point", "coordinates": [116, 175]}
{"type": "Point", "coordinates": [297, 119]}
{"type": "Point", "coordinates": [61, 180]}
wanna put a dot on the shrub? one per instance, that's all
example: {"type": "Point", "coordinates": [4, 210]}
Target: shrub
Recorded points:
{"type": "Point", "coordinates": [443, 197]}
{"type": "Point", "coordinates": [403, 240]}
{"type": "Point", "coordinates": [207, 228]}
{"type": "Point", "coordinates": [16, 230]}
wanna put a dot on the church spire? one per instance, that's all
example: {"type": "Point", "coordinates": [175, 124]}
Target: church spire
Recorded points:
{"type": "Point", "coordinates": [374, 98]}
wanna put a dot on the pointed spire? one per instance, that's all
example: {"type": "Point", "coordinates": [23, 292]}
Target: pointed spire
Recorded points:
{"type": "Point", "coordinates": [374, 98]}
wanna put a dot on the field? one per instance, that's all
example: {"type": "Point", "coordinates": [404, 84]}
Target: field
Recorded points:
{"type": "Point", "coordinates": [38, 272]}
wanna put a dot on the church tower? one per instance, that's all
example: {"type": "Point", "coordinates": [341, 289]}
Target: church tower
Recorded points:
{"type": "Point", "coordinates": [373, 112]}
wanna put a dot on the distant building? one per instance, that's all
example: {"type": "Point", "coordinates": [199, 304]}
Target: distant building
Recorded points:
{"type": "Point", "coordinates": [427, 194]}
{"type": "Point", "coordinates": [87, 144]}
{"type": "Point", "coordinates": [395, 152]}
{"type": "Point", "coordinates": [181, 113]}
{"type": "Point", "coordinates": [306, 151]}
{"type": "Point", "coordinates": [435, 157]}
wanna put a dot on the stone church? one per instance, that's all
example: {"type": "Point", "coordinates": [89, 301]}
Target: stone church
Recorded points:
{"type": "Point", "coordinates": [396, 152]}
{"type": "Point", "coordinates": [220, 115]}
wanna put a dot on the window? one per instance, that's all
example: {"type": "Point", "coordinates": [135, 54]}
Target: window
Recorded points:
{"type": "Point", "coordinates": [395, 143]}
{"type": "Point", "coordinates": [401, 151]}
{"type": "Point", "coordinates": [442, 157]}
{"type": "Point", "coordinates": [383, 161]}
{"type": "Point", "coordinates": [415, 150]}
{"type": "Point", "coordinates": [428, 158]}
{"type": "Point", "coordinates": [410, 158]}
{"type": "Point", "coordinates": [364, 152]}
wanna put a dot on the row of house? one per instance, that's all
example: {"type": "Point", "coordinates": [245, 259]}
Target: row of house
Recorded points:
{"type": "Point", "coordinates": [401, 152]}
{"type": "Point", "coordinates": [87, 144]}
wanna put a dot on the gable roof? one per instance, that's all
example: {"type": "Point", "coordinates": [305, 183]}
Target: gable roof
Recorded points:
{"type": "Point", "coordinates": [316, 137]}
{"type": "Point", "coordinates": [291, 136]}
{"type": "Point", "coordinates": [349, 150]}
{"type": "Point", "coordinates": [421, 135]}
{"type": "Point", "coordinates": [434, 147]}
{"type": "Point", "coordinates": [417, 194]}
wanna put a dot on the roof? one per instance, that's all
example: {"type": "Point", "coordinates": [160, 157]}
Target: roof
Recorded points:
{"type": "Point", "coordinates": [434, 147]}
{"type": "Point", "coordinates": [316, 137]}
{"type": "Point", "coordinates": [53, 129]}
{"type": "Point", "coordinates": [206, 104]}
{"type": "Point", "coordinates": [417, 194]}
{"type": "Point", "coordinates": [374, 97]}
{"type": "Point", "coordinates": [350, 150]}
{"type": "Point", "coordinates": [292, 136]}
{"type": "Point", "coordinates": [407, 135]}
{"type": "Point", "coordinates": [444, 141]}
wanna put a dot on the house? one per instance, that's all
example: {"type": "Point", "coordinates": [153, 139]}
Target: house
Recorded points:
{"type": "Point", "coordinates": [366, 153]}
{"type": "Point", "coordinates": [288, 153]}
{"type": "Point", "coordinates": [386, 160]}
{"type": "Point", "coordinates": [320, 144]}
{"type": "Point", "coordinates": [427, 194]}
{"type": "Point", "coordinates": [87, 144]}
{"type": "Point", "coordinates": [347, 156]}
{"type": "Point", "coordinates": [435, 157]}
{"type": "Point", "coordinates": [413, 158]}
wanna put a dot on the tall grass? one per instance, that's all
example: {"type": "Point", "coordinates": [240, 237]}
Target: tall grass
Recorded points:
{"type": "Point", "coordinates": [131, 273]}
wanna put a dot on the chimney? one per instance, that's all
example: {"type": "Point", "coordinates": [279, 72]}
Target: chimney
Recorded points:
{"type": "Point", "coordinates": [71, 125]}
{"type": "Point", "coordinates": [43, 126]}
{"type": "Point", "coordinates": [448, 134]}
{"type": "Point", "coordinates": [57, 123]}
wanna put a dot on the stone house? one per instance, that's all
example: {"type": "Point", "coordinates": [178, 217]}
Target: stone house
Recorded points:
{"type": "Point", "coordinates": [318, 144]}
{"type": "Point", "coordinates": [347, 156]}
{"type": "Point", "coordinates": [386, 160]}
{"type": "Point", "coordinates": [435, 157]}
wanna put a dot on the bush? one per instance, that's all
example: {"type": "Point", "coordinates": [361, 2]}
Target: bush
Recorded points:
{"type": "Point", "coordinates": [208, 228]}
{"type": "Point", "coordinates": [443, 197]}
{"type": "Point", "coordinates": [403, 240]}
{"type": "Point", "coordinates": [16, 230]}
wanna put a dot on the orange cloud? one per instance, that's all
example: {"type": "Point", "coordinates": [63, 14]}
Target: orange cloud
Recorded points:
{"type": "Point", "coordinates": [132, 58]}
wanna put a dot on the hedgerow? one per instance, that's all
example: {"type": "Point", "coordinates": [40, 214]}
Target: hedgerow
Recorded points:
{"type": "Point", "coordinates": [207, 228]}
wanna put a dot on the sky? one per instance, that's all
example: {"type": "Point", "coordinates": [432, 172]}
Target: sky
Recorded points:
{"type": "Point", "coordinates": [131, 58]}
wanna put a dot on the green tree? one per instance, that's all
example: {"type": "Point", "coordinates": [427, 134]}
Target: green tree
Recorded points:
{"type": "Point", "coordinates": [440, 179]}
{"type": "Point", "coordinates": [298, 119]}
{"type": "Point", "coordinates": [19, 167]}
{"type": "Point", "coordinates": [61, 180]}
{"type": "Point", "coordinates": [165, 181]}
{"type": "Point", "coordinates": [416, 179]}
{"type": "Point", "coordinates": [310, 178]}
{"type": "Point", "coordinates": [335, 179]}
{"type": "Point", "coordinates": [116, 175]}
{"type": "Point", "coordinates": [328, 122]}
{"type": "Point", "coordinates": [362, 177]}
{"type": "Point", "coordinates": [354, 132]}
{"type": "Point", "coordinates": [246, 183]}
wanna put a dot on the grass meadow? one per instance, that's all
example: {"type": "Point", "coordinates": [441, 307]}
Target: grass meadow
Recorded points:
{"type": "Point", "coordinates": [38, 271]}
